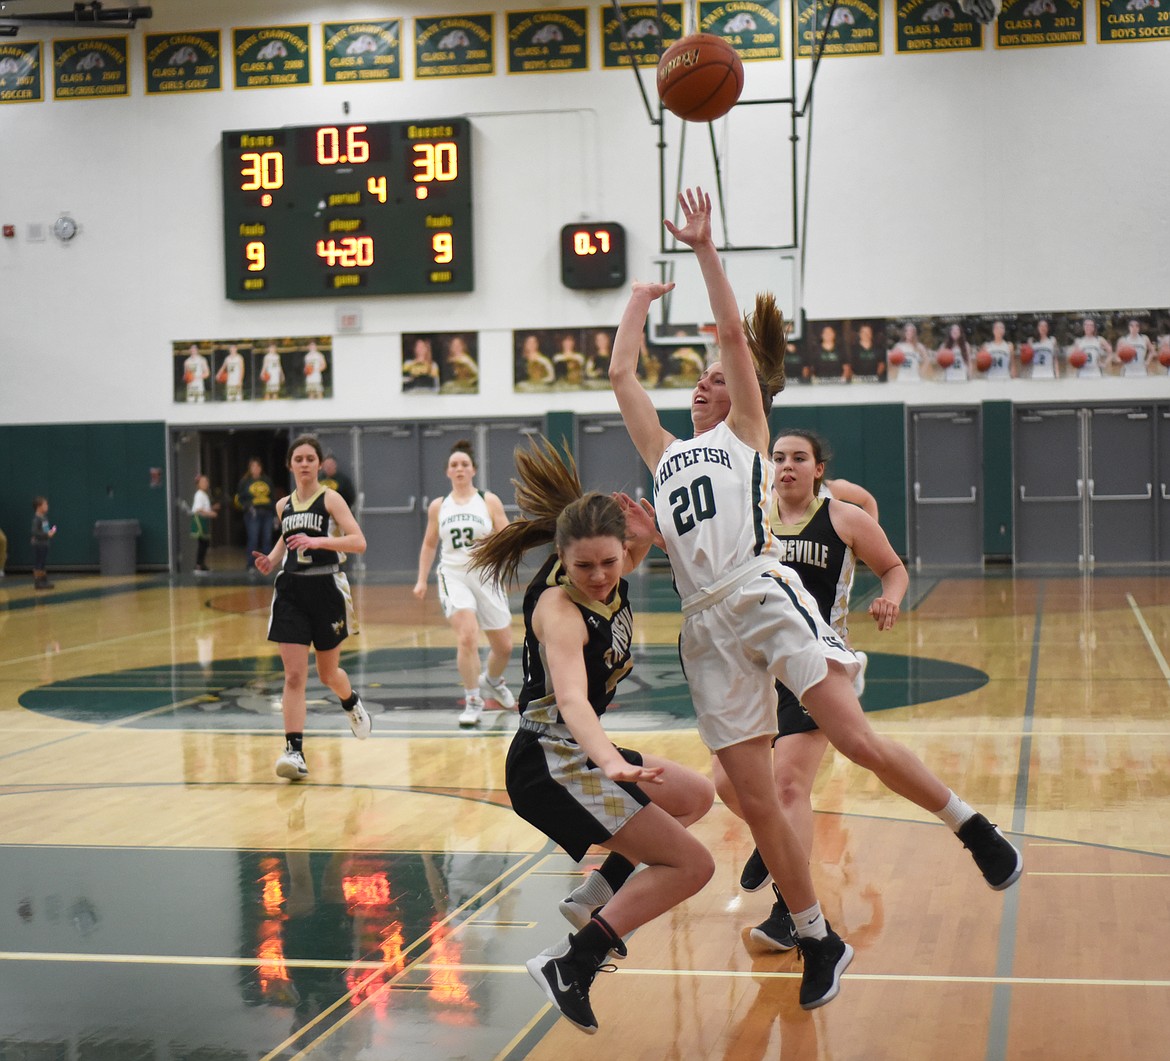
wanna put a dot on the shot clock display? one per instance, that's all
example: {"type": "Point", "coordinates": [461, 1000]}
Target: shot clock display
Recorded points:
{"type": "Point", "coordinates": [382, 208]}
{"type": "Point", "coordinates": [593, 255]}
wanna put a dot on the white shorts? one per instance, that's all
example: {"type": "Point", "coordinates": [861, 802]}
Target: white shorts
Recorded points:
{"type": "Point", "coordinates": [463, 590]}
{"type": "Point", "coordinates": [733, 652]}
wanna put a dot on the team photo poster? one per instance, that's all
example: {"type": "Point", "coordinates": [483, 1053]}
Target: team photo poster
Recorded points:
{"type": "Point", "coordinates": [248, 370]}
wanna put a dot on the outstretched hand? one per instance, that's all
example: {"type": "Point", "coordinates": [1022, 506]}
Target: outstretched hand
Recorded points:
{"type": "Point", "coordinates": [696, 208]}
{"type": "Point", "coordinates": [629, 772]}
{"type": "Point", "coordinates": [641, 524]}
{"type": "Point", "coordinates": [655, 291]}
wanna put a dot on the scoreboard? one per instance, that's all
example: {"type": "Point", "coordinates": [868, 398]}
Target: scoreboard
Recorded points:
{"type": "Point", "coordinates": [334, 210]}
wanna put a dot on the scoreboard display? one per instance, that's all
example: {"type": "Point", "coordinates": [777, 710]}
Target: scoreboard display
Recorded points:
{"type": "Point", "coordinates": [333, 210]}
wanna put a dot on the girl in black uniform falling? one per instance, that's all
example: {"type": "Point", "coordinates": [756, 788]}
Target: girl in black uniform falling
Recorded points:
{"type": "Point", "coordinates": [563, 774]}
{"type": "Point", "coordinates": [311, 601]}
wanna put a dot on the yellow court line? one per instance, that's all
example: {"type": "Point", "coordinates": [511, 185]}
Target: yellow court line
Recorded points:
{"type": "Point", "coordinates": [1137, 612]}
{"type": "Point", "coordinates": [486, 968]}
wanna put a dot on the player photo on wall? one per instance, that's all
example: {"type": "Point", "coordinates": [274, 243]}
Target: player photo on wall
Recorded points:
{"type": "Point", "coordinates": [561, 359]}
{"type": "Point", "coordinates": [440, 362]}
{"type": "Point", "coordinates": [238, 370]}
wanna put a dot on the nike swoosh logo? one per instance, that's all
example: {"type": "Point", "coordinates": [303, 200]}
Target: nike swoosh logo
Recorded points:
{"type": "Point", "coordinates": [763, 598]}
{"type": "Point", "coordinates": [561, 985]}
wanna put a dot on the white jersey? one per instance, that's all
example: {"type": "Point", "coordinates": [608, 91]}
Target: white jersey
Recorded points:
{"type": "Point", "coordinates": [195, 371]}
{"type": "Point", "coordinates": [957, 371]}
{"type": "Point", "coordinates": [910, 370]}
{"type": "Point", "coordinates": [271, 371]}
{"type": "Point", "coordinates": [1094, 350]}
{"type": "Point", "coordinates": [1044, 358]}
{"type": "Point", "coordinates": [233, 365]}
{"type": "Point", "coordinates": [1001, 360]}
{"type": "Point", "coordinates": [1141, 345]}
{"type": "Point", "coordinates": [711, 499]}
{"type": "Point", "coordinates": [314, 366]}
{"type": "Point", "coordinates": [460, 527]}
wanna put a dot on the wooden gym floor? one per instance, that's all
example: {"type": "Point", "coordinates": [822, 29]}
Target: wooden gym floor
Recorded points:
{"type": "Point", "coordinates": [164, 896]}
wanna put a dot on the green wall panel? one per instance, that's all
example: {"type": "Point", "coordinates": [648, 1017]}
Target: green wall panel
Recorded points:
{"type": "Point", "coordinates": [89, 472]}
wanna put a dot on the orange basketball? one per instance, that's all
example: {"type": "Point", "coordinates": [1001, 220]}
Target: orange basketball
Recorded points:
{"type": "Point", "coordinates": [983, 361]}
{"type": "Point", "coordinates": [264, 376]}
{"type": "Point", "coordinates": [700, 77]}
{"type": "Point", "coordinates": [221, 376]}
{"type": "Point", "coordinates": [1164, 358]}
{"type": "Point", "coordinates": [897, 357]}
{"type": "Point", "coordinates": [1026, 353]}
{"type": "Point", "coordinates": [1127, 353]}
{"type": "Point", "coordinates": [308, 370]}
{"type": "Point", "coordinates": [946, 358]}
{"type": "Point", "coordinates": [1077, 358]}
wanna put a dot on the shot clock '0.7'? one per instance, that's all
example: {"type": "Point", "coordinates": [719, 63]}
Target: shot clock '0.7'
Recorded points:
{"type": "Point", "coordinates": [324, 211]}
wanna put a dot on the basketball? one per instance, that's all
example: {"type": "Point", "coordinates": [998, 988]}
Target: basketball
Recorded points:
{"type": "Point", "coordinates": [1127, 353]}
{"type": "Point", "coordinates": [897, 357]}
{"type": "Point", "coordinates": [308, 370]}
{"type": "Point", "coordinates": [1077, 358]}
{"type": "Point", "coordinates": [946, 358]}
{"type": "Point", "coordinates": [700, 77]}
{"type": "Point", "coordinates": [264, 376]}
{"type": "Point", "coordinates": [1026, 353]}
{"type": "Point", "coordinates": [983, 361]}
{"type": "Point", "coordinates": [1164, 358]}
{"type": "Point", "coordinates": [188, 377]}
{"type": "Point", "coordinates": [221, 376]}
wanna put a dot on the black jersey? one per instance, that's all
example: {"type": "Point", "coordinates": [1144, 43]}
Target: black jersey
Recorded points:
{"type": "Point", "coordinates": [609, 624]}
{"type": "Point", "coordinates": [825, 564]}
{"type": "Point", "coordinates": [311, 518]}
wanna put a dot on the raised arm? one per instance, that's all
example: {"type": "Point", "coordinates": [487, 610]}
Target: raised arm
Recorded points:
{"type": "Point", "coordinates": [747, 418]}
{"type": "Point", "coordinates": [638, 412]}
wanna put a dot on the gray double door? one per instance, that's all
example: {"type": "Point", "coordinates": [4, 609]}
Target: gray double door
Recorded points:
{"type": "Point", "coordinates": [399, 469]}
{"type": "Point", "coordinates": [1091, 484]}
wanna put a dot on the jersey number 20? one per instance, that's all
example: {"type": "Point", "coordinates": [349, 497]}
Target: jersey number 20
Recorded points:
{"type": "Point", "coordinates": [689, 506]}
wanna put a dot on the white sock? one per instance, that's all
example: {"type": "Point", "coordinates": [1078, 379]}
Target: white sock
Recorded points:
{"type": "Point", "coordinates": [594, 892]}
{"type": "Point", "coordinates": [495, 683]}
{"type": "Point", "coordinates": [810, 922]}
{"type": "Point", "coordinates": [955, 813]}
{"type": "Point", "coordinates": [469, 693]}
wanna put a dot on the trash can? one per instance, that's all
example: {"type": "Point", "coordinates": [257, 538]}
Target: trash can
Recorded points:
{"type": "Point", "coordinates": [117, 545]}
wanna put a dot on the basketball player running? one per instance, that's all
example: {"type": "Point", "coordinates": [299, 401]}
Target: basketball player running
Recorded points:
{"type": "Point", "coordinates": [821, 539]}
{"type": "Point", "coordinates": [563, 774]}
{"type": "Point", "coordinates": [747, 621]}
{"type": "Point", "coordinates": [454, 524]}
{"type": "Point", "coordinates": [311, 601]}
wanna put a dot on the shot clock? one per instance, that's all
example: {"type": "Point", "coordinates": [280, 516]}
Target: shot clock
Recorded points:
{"type": "Point", "coordinates": [593, 255]}
{"type": "Point", "coordinates": [318, 211]}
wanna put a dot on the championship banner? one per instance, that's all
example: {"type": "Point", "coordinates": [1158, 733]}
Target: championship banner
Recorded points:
{"type": "Point", "coordinates": [20, 72]}
{"type": "Point", "coordinates": [1127, 20]}
{"type": "Point", "coordinates": [854, 29]}
{"type": "Point", "coordinates": [183, 62]}
{"type": "Point", "coordinates": [362, 51]}
{"type": "Point", "coordinates": [547, 41]}
{"type": "Point", "coordinates": [91, 67]}
{"type": "Point", "coordinates": [752, 29]}
{"type": "Point", "coordinates": [454, 46]}
{"type": "Point", "coordinates": [935, 26]}
{"type": "Point", "coordinates": [647, 36]}
{"type": "Point", "coordinates": [271, 56]}
{"type": "Point", "coordinates": [1040, 23]}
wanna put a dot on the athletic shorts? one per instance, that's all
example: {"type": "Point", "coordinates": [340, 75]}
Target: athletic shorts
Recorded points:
{"type": "Point", "coordinates": [554, 786]}
{"type": "Point", "coordinates": [463, 590]}
{"type": "Point", "coordinates": [733, 651]}
{"type": "Point", "coordinates": [312, 610]}
{"type": "Point", "coordinates": [791, 717]}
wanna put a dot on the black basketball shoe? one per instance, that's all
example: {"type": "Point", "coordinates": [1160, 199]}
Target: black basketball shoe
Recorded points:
{"type": "Point", "coordinates": [777, 933]}
{"type": "Point", "coordinates": [824, 962]}
{"type": "Point", "coordinates": [998, 860]}
{"type": "Point", "coordinates": [755, 874]}
{"type": "Point", "coordinates": [565, 975]}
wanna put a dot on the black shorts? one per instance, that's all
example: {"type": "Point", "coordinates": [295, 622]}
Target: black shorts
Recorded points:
{"type": "Point", "coordinates": [572, 803]}
{"type": "Point", "coordinates": [312, 610]}
{"type": "Point", "coordinates": [791, 717]}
